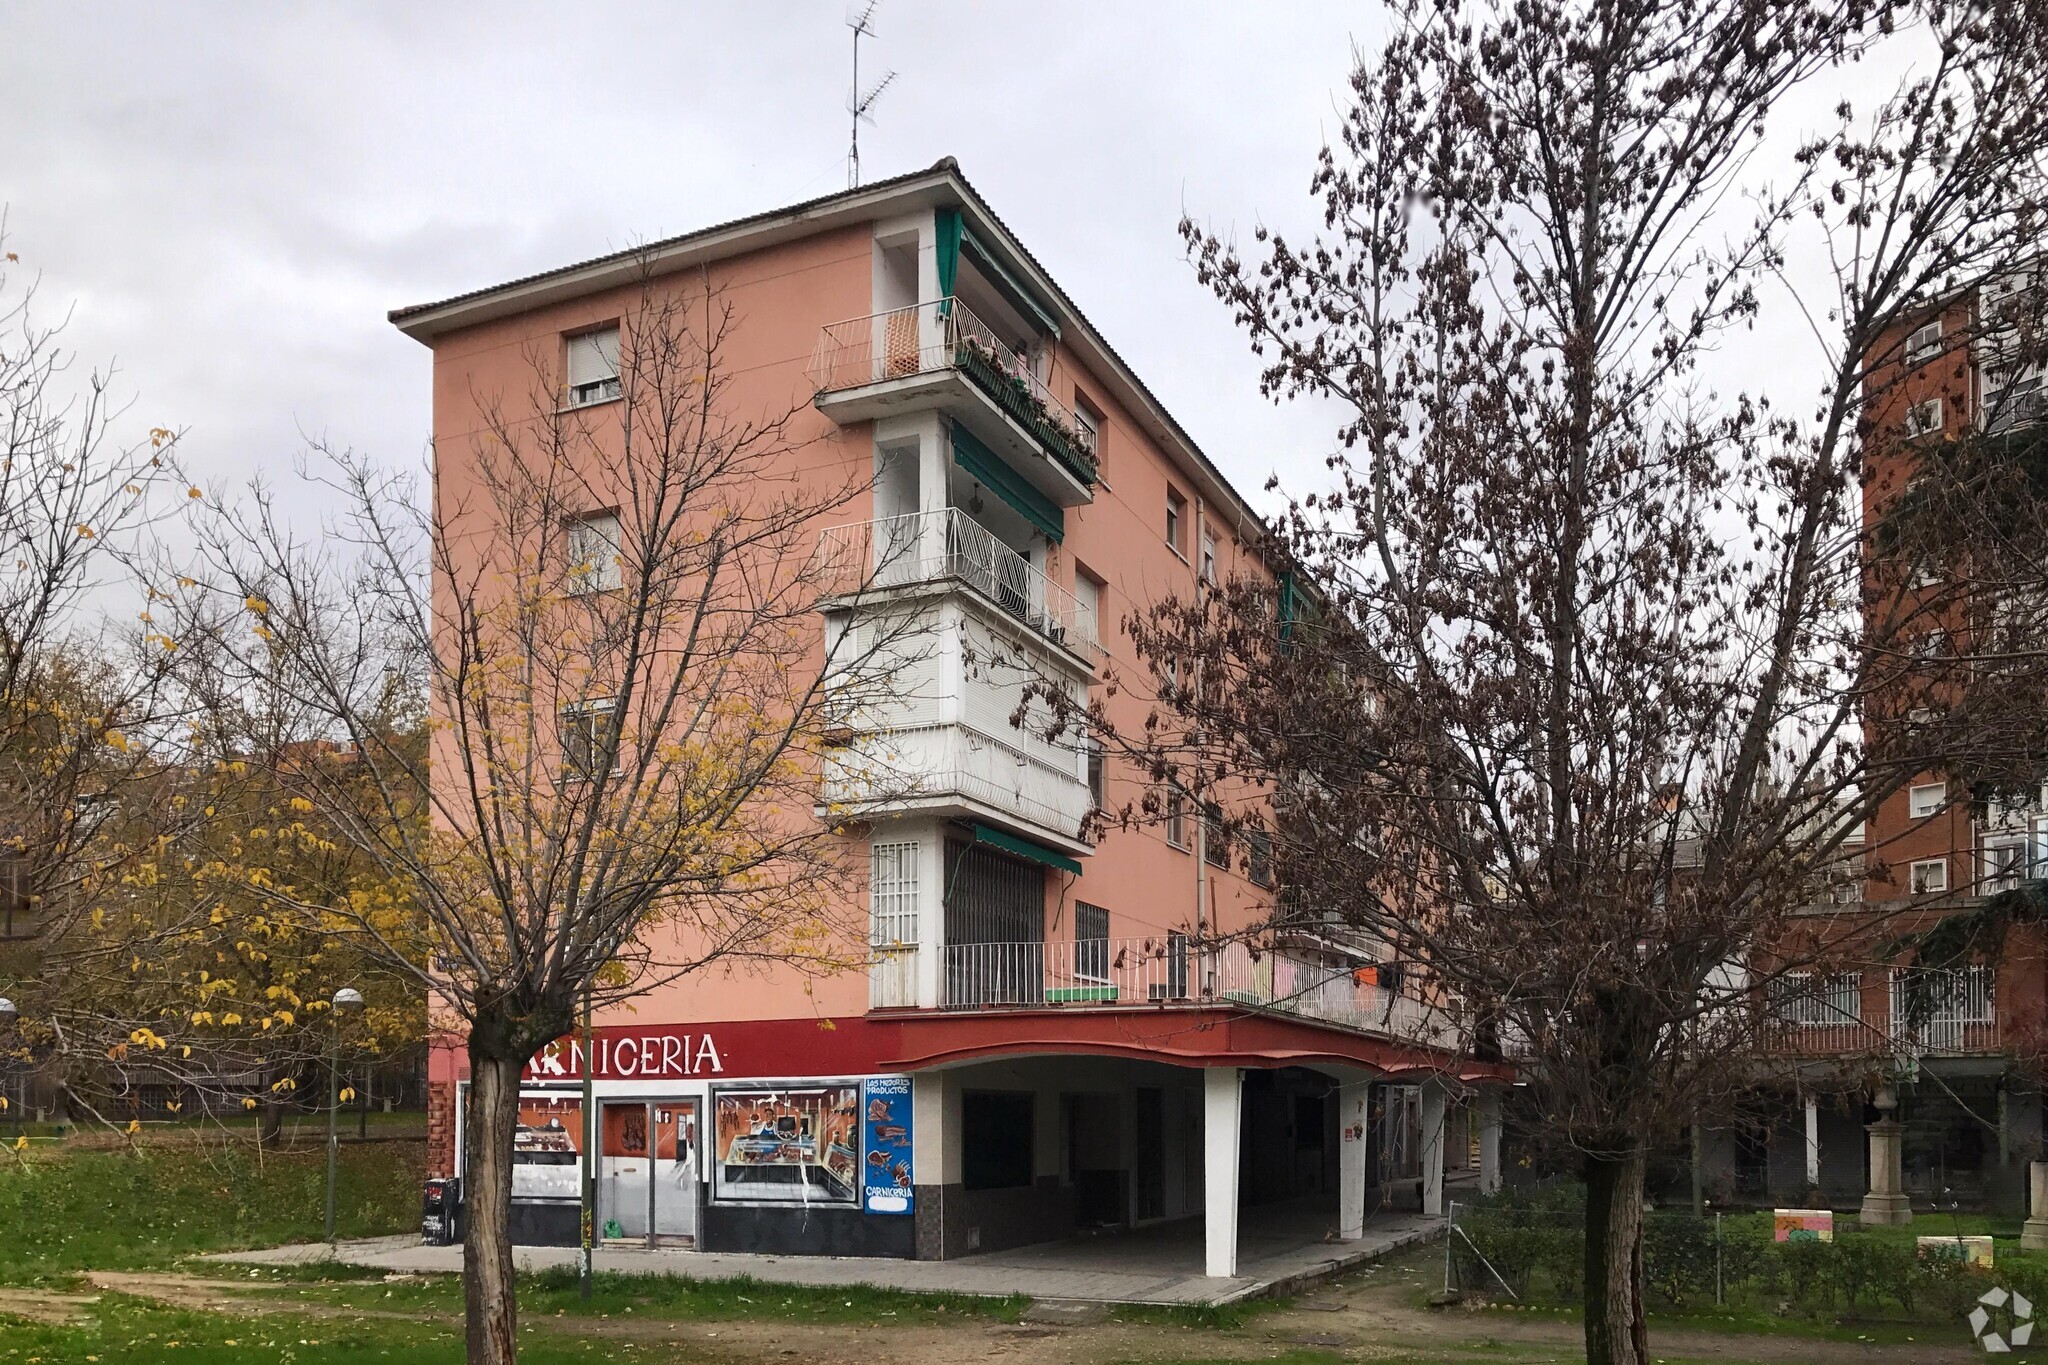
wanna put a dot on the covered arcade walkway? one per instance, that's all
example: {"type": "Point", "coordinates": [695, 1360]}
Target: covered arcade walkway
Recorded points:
{"type": "Point", "coordinates": [1278, 1254]}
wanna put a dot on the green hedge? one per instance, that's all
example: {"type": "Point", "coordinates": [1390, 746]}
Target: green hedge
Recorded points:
{"type": "Point", "coordinates": [1536, 1240]}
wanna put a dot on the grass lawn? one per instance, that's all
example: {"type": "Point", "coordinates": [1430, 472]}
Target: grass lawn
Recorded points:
{"type": "Point", "coordinates": [133, 1332]}
{"type": "Point", "coordinates": [68, 1211]}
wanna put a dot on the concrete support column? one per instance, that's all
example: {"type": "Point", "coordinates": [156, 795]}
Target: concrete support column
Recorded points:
{"type": "Point", "coordinates": [1222, 1106]}
{"type": "Point", "coordinates": [2034, 1233]}
{"type": "Point", "coordinates": [1351, 1172]}
{"type": "Point", "coordinates": [1887, 1202]}
{"type": "Point", "coordinates": [1812, 1143]}
{"type": "Point", "coordinates": [1487, 1108]}
{"type": "Point", "coordinates": [1433, 1123]}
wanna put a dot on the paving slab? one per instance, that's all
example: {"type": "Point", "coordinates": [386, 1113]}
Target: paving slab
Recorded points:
{"type": "Point", "coordinates": [1151, 1266]}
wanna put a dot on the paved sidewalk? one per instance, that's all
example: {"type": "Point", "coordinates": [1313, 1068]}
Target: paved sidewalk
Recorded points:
{"type": "Point", "coordinates": [1157, 1266]}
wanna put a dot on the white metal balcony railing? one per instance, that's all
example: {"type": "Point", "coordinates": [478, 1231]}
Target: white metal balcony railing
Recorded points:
{"type": "Point", "coordinates": [1162, 970]}
{"type": "Point", "coordinates": [948, 544]}
{"type": "Point", "coordinates": [943, 334]}
{"type": "Point", "coordinates": [1829, 1017]}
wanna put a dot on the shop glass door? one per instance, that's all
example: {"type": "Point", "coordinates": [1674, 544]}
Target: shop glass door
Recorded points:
{"type": "Point", "coordinates": [647, 1177]}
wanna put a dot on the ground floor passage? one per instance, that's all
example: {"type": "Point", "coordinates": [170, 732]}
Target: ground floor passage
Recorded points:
{"type": "Point", "coordinates": [1089, 1153]}
{"type": "Point", "coordinates": [1961, 1134]}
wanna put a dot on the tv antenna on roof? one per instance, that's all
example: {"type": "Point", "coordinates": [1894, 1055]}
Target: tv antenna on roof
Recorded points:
{"type": "Point", "coordinates": [861, 19]}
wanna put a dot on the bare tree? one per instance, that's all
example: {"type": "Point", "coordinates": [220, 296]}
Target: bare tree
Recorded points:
{"type": "Point", "coordinates": [613, 610]}
{"type": "Point", "coordinates": [1563, 697]}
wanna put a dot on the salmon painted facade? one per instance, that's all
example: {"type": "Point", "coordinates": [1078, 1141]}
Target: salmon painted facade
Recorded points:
{"type": "Point", "coordinates": [1050, 1031]}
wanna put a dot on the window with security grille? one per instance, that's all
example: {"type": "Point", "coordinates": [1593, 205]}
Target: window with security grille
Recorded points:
{"type": "Point", "coordinates": [1091, 942]}
{"type": "Point", "coordinates": [892, 895]}
{"type": "Point", "coordinates": [1814, 999]}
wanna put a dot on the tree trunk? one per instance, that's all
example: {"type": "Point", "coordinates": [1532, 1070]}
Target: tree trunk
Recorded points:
{"type": "Point", "coordinates": [490, 1311]}
{"type": "Point", "coordinates": [1615, 1330]}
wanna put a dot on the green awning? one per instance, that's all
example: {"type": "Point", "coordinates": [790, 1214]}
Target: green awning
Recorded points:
{"type": "Point", "coordinates": [1008, 285]}
{"type": "Point", "coordinates": [1025, 848]}
{"type": "Point", "coordinates": [987, 469]}
{"type": "Point", "coordinates": [948, 229]}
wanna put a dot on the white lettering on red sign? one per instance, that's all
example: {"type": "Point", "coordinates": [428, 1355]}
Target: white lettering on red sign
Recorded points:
{"type": "Point", "coordinates": [647, 1057]}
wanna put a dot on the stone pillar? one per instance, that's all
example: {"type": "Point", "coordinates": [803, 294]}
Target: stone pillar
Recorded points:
{"type": "Point", "coordinates": [1487, 1108]}
{"type": "Point", "coordinates": [1433, 1123]}
{"type": "Point", "coordinates": [1812, 1143]}
{"type": "Point", "coordinates": [1222, 1102]}
{"type": "Point", "coordinates": [2034, 1234]}
{"type": "Point", "coordinates": [1351, 1173]}
{"type": "Point", "coordinates": [934, 1158]}
{"type": "Point", "coordinates": [1886, 1203]}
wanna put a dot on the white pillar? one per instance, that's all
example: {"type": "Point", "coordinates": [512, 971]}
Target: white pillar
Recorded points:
{"type": "Point", "coordinates": [1812, 1143]}
{"type": "Point", "coordinates": [1433, 1119]}
{"type": "Point", "coordinates": [1488, 1108]}
{"type": "Point", "coordinates": [2034, 1233]}
{"type": "Point", "coordinates": [1351, 1147]}
{"type": "Point", "coordinates": [1222, 1100]}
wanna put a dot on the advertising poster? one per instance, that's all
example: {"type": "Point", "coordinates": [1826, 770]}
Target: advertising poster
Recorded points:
{"type": "Point", "coordinates": [795, 1145]}
{"type": "Point", "coordinates": [885, 1144]}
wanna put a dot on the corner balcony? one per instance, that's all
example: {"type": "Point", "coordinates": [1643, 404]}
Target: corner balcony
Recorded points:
{"type": "Point", "coordinates": [948, 549]}
{"type": "Point", "coordinates": [1163, 971]}
{"type": "Point", "coordinates": [951, 634]}
{"type": "Point", "coordinates": [938, 354]}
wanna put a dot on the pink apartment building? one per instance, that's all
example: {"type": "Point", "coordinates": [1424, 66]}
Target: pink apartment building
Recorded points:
{"type": "Point", "coordinates": [1051, 1034]}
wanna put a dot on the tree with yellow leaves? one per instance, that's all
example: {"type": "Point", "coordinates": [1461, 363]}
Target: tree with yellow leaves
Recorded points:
{"type": "Point", "coordinates": [613, 613]}
{"type": "Point", "coordinates": [80, 686]}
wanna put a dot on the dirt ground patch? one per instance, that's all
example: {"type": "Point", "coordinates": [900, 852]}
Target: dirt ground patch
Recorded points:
{"type": "Point", "coordinates": [1367, 1316]}
{"type": "Point", "coordinates": [55, 1307]}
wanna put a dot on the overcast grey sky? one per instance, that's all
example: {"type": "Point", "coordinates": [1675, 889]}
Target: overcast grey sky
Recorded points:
{"type": "Point", "coordinates": [234, 194]}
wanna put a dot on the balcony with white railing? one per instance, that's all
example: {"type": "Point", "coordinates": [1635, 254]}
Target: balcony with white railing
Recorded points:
{"type": "Point", "coordinates": [949, 644]}
{"type": "Point", "coordinates": [948, 547]}
{"type": "Point", "coordinates": [938, 353]}
{"type": "Point", "coordinates": [1163, 971]}
{"type": "Point", "coordinates": [1829, 1016]}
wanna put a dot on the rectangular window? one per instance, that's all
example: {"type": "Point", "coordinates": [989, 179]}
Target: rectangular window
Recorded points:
{"type": "Point", "coordinates": [995, 1139]}
{"type": "Point", "coordinates": [1929, 876]}
{"type": "Point", "coordinates": [1176, 521]}
{"type": "Point", "coordinates": [593, 366]}
{"type": "Point", "coordinates": [1176, 820]}
{"type": "Point", "coordinates": [2011, 400]}
{"type": "Point", "coordinates": [1259, 857]}
{"type": "Point", "coordinates": [589, 748]}
{"type": "Point", "coordinates": [1091, 942]}
{"type": "Point", "coordinates": [892, 895]}
{"type": "Point", "coordinates": [594, 557]}
{"type": "Point", "coordinates": [1096, 793]}
{"type": "Point", "coordinates": [1209, 557]}
{"type": "Point", "coordinates": [1924, 343]}
{"type": "Point", "coordinates": [2005, 865]}
{"type": "Point", "coordinates": [1924, 419]}
{"type": "Point", "coordinates": [794, 1145]}
{"type": "Point", "coordinates": [1215, 843]}
{"type": "Point", "coordinates": [1925, 799]}
{"type": "Point", "coordinates": [1088, 605]}
{"type": "Point", "coordinates": [1088, 421]}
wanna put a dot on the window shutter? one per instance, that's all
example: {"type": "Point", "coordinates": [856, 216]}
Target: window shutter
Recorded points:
{"type": "Point", "coordinates": [593, 357]}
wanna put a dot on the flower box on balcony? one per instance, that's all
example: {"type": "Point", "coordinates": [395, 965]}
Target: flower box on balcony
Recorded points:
{"type": "Point", "coordinates": [1014, 396]}
{"type": "Point", "coordinates": [1081, 995]}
